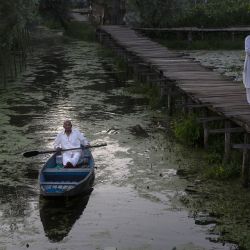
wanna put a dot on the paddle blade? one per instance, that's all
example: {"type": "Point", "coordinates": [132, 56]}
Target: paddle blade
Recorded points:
{"type": "Point", "coordinates": [30, 153]}
{"type": "Point", "coordinates": [98, 145]}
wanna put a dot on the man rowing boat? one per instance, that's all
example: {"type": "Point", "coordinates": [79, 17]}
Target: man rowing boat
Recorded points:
{"type": "Point", "coordinates": [70, 138]}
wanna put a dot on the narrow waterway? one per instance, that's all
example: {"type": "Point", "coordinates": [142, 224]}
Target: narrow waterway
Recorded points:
{"type": "Point", "coordinates": [135, 201]}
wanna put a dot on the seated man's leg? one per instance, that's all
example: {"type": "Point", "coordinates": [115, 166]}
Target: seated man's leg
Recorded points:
{"type": "Point", "coordinates": [66, 158]}
{"type": "Point", "coordinates": [75, 158]}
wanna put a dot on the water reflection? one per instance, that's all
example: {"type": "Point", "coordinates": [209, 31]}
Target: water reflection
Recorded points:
{"type": "Point", "coordinates": [59, 216]}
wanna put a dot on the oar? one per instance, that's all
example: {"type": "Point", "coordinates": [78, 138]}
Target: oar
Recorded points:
{"type": "Point", "coordinates": [35, 152]}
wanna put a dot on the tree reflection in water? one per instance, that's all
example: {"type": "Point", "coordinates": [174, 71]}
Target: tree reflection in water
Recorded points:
{"type": "Point", "coordinates": [58, 216]}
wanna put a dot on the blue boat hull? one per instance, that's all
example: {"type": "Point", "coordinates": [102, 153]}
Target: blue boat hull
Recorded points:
{"type": "Point", "coordinates": [57, 181]}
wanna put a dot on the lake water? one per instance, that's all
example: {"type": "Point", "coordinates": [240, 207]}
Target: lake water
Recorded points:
{"type": "Point", "coordinates": [135, 201]}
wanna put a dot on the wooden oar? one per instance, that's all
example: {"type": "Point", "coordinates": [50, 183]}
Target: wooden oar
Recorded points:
{"type": "Point", "coordinates": [35, 152]}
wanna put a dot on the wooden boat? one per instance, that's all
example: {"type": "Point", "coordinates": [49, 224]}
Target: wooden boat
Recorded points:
{"type": "Point", "coordinates": [57, 181]}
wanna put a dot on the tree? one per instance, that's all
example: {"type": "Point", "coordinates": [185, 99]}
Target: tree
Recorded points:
{"type": "Point", "coordinates": [215, 13]}
{"type": "Point", "coordinates": [157, 13]}
{"type": "Point", "coordinates": [15, 16]}
{"type": "Point", "coordinates": [200, 13]}
{"type": "Point", "coordinates": [114, 10]}
{"type": "Point", "coordinates": [56, 9]}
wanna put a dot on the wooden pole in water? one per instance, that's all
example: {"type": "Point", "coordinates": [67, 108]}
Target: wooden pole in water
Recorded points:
{"type": "Point", "coordinates": [9, 61]}
{"type": "Point", "coordinates": [22, 43]}
{"type": "Point", "coordinates": [246, 162]}
{"type": "Point", "coordinates": [170, 101]}
{"type": "Point", "coordinates": [205, 134]}
{"type": "Point", "coordinates": [4, 74]}
{"type": "Point", "coordinates": [227, 141]}
{"type": "Point", "coordinates": [15, 62]}
{"type": "Point", "coordinates": [19, 52]}
{"type": "Point", "coordinates": [1, 68]}
{"type": "Point", "coordinates": [20, 60]}
{"type": "Point", "coordinates": [163, 87]}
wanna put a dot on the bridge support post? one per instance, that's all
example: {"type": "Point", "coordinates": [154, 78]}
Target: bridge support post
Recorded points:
{"type": "Point", "coordinates": [227, 141]}
{"type": "Point", "coordinates": [163, 90]}
{"type": "Point", "coordinates": [246, 162]}
{"type": "Point", "coordinates": [170, 101]}
{"type": "Point", "coordinates": [205, 134]}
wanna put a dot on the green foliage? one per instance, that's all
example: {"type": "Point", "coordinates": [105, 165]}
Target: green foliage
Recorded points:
{"type": "Point", "coordinates": [105, 52]}
{"type": "Point", "coordinates": [55, 11]}
{"type": "Point", "coordinates": [214, 157]}
{"type": "Point", "coordinates": [215, 149]}
{"type": "Point", "coordinates": [218, 169]}
{"type": "Point", "coordinates": [211, 13]}
{"type": "Point", "coordinates": [150, 92]}
{"type": "Point", "coordinates": [15, 15]}
{"type": "Point", "coordinates": [157, 13]}
{"type": "Point", "coordinates": [120, 63]}
{"type": "Point", "coordinates": [223, 171]}
{"type": "Point", "coordinates": [51, 23]}
{"type": "Point", "coordinates": [215, 13]}
{"type": "Point", "coordinates": [187, 129]}
{"type": "Point", "coordinates": [199, 13]}
{"type": "Point", "coordinates": [82, 31]}
{"type": "Point", "coordinates": [154, 97]}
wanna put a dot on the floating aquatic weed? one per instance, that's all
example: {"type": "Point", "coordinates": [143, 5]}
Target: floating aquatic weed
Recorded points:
{"type": "Point", "coordinates": [229, 63]}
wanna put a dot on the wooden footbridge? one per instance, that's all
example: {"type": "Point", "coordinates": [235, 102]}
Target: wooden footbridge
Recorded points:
{"type": "Point", "coordinates": [199, 87]}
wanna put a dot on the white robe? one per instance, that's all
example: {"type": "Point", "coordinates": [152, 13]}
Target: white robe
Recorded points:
{"type": "Point", "coordinates": [74, 140]}
{"type": "Point", "coordinates": [246, 70]}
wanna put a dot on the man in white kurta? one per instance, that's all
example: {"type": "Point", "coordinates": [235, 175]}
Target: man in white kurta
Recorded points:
{"type": "Point", "coordinates": [246, 71]}
{"type": "Point", "coordinates": [70, 138]}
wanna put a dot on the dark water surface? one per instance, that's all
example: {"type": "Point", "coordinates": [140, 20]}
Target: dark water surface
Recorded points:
{"type": "Point", "coordinates": [134, 204]}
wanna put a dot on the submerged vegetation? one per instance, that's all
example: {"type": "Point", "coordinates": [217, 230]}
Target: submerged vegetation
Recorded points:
{"type": "Point", "coordinates": [152, 93]}
{"type": "Point", "coordinates": [187, 129]}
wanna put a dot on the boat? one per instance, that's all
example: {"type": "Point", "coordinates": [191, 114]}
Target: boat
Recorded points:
{"type": "Point", "coordinates": [57, 181]}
